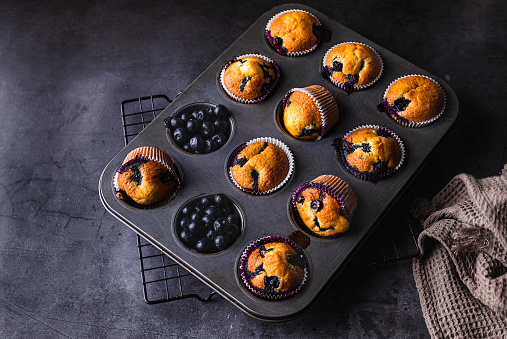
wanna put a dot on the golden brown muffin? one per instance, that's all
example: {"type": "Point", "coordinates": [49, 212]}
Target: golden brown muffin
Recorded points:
{"type": "Point", "coordinates": [372, 151]}
{"type": "Point", "coordinates": [325, 205]}
{"type": "Point", "coordinates": [352, 65]}
{"type": "Point", "coordinates": [260, 166]}
{"type": "Point", "coordinates": [145, 181]}
{"type": "Point", "coordinates": [309, 112]}
{"type": "Point", "coordinates": [415, 98]}
{"type": "Point", "coordinates": [294, 32]}
{"type": "Point", "coordinates": [250, 78]}
{"type": "Point", "coordinates": [275, 267]}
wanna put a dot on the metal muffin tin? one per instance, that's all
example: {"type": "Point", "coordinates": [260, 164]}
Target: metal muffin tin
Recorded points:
{"type": "Point", "coordinates": [270, 214]}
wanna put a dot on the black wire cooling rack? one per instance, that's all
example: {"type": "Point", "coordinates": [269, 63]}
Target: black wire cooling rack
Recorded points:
{"type": "Point", "coordinates": [164, 280]}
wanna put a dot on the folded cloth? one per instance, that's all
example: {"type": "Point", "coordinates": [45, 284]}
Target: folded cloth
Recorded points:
{"type": "Point", "coordinates": [461, 274]}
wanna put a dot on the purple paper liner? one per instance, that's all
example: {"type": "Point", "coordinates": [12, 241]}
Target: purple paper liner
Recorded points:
{"type": "Point", "coordinates": [292, 54]}
{"type": "Point", "coordinates": [337, 144]}
{"type": "Point", "coordinates": [243, 263]}
{"type": "Point", "coordinates": [403, 121]}
{"type": "Point", "coordinates": [268, 92]}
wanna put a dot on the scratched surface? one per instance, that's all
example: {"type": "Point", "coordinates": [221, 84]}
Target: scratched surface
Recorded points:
{"type": "Point", "coordinates": [68, 269]}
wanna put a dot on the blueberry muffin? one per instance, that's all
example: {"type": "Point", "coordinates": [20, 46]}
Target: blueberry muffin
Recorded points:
{"type": "Point", "coordinates": [371, 152]}
{"type": "Point", "coordinates": [352, 66]}
{"type": "Point", "coordinates": [309, 112]}
{"type": "Point", "coordinates": [414, 100]}
{"type": "Point", "coordinates": [325, 205]}
{"type": "Point", "coordinates": [146, 177]}
{"type": "Point", "coordinates": [249, 78]}
{"type": "Point", "coordinates": [294, 32]}
{"type": "Point", "coordinates": [260, 167]}
{"type": "Point", "coordinates": [273, 268]}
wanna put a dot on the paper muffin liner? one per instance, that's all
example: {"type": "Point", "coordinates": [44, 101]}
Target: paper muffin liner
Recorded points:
{"type": "Point", "coordinates": [353, 88]}
{"type": "Point", "coordinates": [243, 267]}
{"type": "Point", "coordinates": [291, 54]}
{"type": "Point", "coordinates": [154, 154]}
{"type": "Point", "coordinates": [270, 140]}
{"type": "Point", "coordinates": [245, 101]}
{"type": "Point", "coordinates": [403, 121]}
{"type": "Point", "coordinates": [362, 175]}
{"type": "Point", "coordinates": [338, 189]}
{"type": "Point", "coordinates": [328, 107]}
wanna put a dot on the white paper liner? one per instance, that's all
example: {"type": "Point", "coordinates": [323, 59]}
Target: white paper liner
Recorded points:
{"type": "Point", "coordinates": [287, 152]}
{"type": "Point", "coordinates": [245, 101]}
{"type": "Point", "coordinates": [154, 154]}
{"type": "Point", "coordinates": [395, 136]}
{"type": "Point", "coordinates": [292, 54]}
{"type": "Point", "coordinates": [354, 87]}
{"type": "Point", "coordinates": [328, 107]}
{"type": "Point", "coordinates": [403, 121]}
{"type": "Point", "coordinates": [243, 263]}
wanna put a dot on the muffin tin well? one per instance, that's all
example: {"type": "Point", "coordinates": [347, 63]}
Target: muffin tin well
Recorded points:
{"type": "Point", "coordinates": [268, 215]}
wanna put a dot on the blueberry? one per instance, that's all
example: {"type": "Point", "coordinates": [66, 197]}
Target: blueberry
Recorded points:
{"type": "Point", "coordinates": [197, 143]}
{"type": "Point", "coordinates": [206, 201]}
{"type": "Point", "coordinates": [211, 234]}
{"type": "Point", "coordinates": [194, 114]}
{"type": "Point", "coordinates": [219, 138]}
{"type": "Point", "coordinates": [208, 220]}
{"type": "Point", "coordinates": [187, 238]}
{"type": "Point", "coordinates": [233, 219]}
{"type": "Point", "coordinates": [233, 231]}
{"type": "Point", "coordinates": [187, 148]}
{"type": "Point", "coordinates": [207, 129]}
{"type": "Point", "coordinates": [221, 125]}
{"type": "Point", "coordinates": [202, 116]}
{"type": "Point", "coordinates": [209, 145]}
{"type": "Point", "coordinates": [221, 111]}
{"type": "Point", "coordinates": [222, 242]}
{"type": "Point", "coordinates": [185, 116]}
{"type": "Point", "coordinates": [196, 216]}
{"type": "Point", "coordinates": [192, 126]}
{"type": "Point", "coordinates": [197, 228]}
{"type": "Point", "coordinates": [220, 200]}
{"type": "Point", "coordinates": [221, 225]}
{"type": "Point", "coordinates": [187, 210]}
{"type": "Point", "coordinates": [203, 245]}
{"type": "Point", "coordinates": [181, 136]}
{"type": "Point", "coordinates": [210, 111]}
{"type": "Point", "coordinates": [177, 122]}
{"type": "Point", "coordinates": [184, 222]}
{"type": "Point", "coordinates": [213, 210]}
{"type": "Point", "coordinates": [226, 210]}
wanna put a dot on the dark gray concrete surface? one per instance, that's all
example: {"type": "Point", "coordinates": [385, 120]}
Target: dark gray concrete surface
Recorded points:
{"type": "Point", "coordinates": [71, 270]}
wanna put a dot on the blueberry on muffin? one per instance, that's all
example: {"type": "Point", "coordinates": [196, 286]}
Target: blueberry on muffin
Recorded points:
{"type": "Point", "coordinates": [309, 112]}
{"type": "Point", "coordinates": [294, 32]}
{"type": "Point", "coordinates": [352, 66]}
{"type": "Point", "coordinates": [371, 152]}
{"type": "Point", "coordinates": [273, 268]}
{"type": "Point", "coordinates": [325, 205]}
{"type": "Point", "coordinates": [260, 167]}
{"type": "Point", "coordinates": [146, 177]}
{"type": "Point", "coordinates": [249, 78]}
{"type": "Point", "coordinates": [414, 100]}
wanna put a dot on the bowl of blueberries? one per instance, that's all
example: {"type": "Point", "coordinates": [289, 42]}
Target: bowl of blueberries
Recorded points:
{"type": "Point", "coordinates": [209, 223]}
{"type": "Point", "coordinates": [200, 128]}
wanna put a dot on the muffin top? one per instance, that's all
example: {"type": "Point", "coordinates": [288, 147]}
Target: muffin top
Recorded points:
{"type": "Point", "coordinates": [415, 98]}
{"type": "Point", "coordinates": [294, 32]}
{"type": "Point", "coordinates": [353, 64]}
{"type": "Point", "coordinates": [321, 212]}
{"type": "Point", "coordinates": [372, 150]}
{"type": "Point", "coordinates": [275, 267]}
{"type": "Point", "coordinates": [260, 166]}
{"type": "Point", "coordinates": [249, 78]}
{"type": "Point", "coordinates": [301, 116]}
